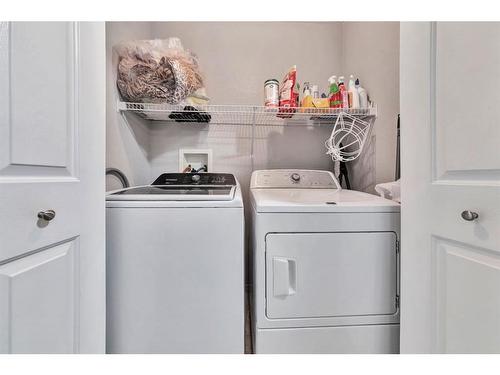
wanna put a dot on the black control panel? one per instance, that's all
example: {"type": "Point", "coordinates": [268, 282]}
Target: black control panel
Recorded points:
{"type": "Point", "coordinates": [215, 179]}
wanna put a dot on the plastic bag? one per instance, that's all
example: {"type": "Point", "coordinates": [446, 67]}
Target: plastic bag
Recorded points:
{"type": "Point", "coordinates": [157, 71]}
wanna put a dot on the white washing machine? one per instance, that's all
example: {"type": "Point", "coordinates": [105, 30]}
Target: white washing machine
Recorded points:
{"type": "Point", "coordinates": [175, 266]}
{"type": "Point", "coordinates": [325, 266]}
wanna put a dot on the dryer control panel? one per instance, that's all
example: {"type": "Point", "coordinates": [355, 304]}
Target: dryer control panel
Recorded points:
{"type": "Point", "coordinates": [293, 179]}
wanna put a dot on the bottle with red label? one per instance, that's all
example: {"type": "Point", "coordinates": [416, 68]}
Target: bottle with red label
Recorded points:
{"type": "Point", "coordinates": [343, 93]}
{"type": "Point", "coordinates": [335, 95]}
{"type": "Point", "coordinates": [289, 94]}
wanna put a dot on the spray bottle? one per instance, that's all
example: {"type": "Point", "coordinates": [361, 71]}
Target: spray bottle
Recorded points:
{"type": "Point", "coordinates": [335, 98]}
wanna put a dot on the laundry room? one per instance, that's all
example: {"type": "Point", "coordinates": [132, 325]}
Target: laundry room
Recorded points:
{"type": "Point", "coordinates": [235, 60]}
{"type": "Point", "coordinates": [249, 187]}
{"type": "Point", "coordinates": [243, 132]}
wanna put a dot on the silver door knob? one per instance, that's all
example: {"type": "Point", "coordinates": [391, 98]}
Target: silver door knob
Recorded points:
{"type": "Point", "coordinates": [47, 215]}
{"type": "Point", "coordinates": [469, 215]}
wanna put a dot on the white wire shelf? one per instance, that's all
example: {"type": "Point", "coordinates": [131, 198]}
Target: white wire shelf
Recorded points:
{"type": "Point", "coordinates": [242, 115]}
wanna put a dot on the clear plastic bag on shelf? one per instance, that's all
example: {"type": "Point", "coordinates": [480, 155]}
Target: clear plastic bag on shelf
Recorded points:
{"type": "Point", "coordinates": [158, 71]}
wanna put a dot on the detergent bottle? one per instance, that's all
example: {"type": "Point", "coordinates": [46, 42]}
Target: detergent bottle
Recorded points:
{"type": "Point", "coordinates": [353, 94]}
{"type": "Point", "coordinates": [363, 95]}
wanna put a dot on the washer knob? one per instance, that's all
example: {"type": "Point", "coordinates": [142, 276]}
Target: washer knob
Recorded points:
{"type": "Point", "coordinates": [295, 177]}
{"type": "Point", "coordinates": [195, 178]}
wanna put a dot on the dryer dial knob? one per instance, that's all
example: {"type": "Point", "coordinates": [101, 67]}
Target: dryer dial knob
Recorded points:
{"type": "Point", "coordinates": [295, 177]}
{"type": "Point", "coordinates": [195, 178]}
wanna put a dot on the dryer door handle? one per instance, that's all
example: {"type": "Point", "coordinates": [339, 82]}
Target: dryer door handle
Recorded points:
{"type": "Point", "coordinates": [284, 276]}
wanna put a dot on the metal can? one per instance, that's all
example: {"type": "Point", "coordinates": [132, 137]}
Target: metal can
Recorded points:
{"type": "Point", "coordinates": [271, 93]}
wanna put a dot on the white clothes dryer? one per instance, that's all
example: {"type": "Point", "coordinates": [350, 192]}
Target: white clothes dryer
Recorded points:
{"type": "Point", "coordinates": [325, 266]}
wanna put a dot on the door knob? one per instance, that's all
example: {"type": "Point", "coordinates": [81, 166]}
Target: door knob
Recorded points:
{"type": "Point", "coordinates": [469, 215]}
{"type": "Point", "coordinates": [47, 215]}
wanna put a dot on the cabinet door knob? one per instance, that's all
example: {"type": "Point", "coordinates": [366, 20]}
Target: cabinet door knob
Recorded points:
{"type": "Point", "coordinates": [47, 215]}
{"type": "Point", "coordinates": [469, 215]}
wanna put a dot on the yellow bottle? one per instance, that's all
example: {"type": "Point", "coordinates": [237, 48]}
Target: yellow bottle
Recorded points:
{"type": "Point", "coordinates": [307, 98]}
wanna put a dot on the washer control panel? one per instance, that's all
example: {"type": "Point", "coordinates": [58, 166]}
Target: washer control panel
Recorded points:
{"type": "Point", "coordinates": [205, 179]}
{"type": "Point", "coordinates": [294, 178]}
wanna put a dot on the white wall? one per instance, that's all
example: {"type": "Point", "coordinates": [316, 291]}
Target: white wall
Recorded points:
{"type": "Point", "coordinates": [371, 51]}
{"type": "Point", "coordinates": [236, 59]}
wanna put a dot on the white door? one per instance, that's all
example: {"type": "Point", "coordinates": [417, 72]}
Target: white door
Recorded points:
{"type": "Point", "coordinates": [331, 274]}
{"type": "Point", "coordinates": [52, 281]}
{"type": "Point", "coordinates": [450, 149]}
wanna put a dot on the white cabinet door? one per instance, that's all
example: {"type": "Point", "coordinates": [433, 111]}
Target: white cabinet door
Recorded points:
{"type": "Point", "coordinates": [39, 301]}
{"type": "Point", "coordinates": [52, 282]}
{"type": "Point", "coordinates": [450, 80]}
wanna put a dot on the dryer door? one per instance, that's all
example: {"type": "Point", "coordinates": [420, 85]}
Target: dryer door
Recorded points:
{"type": "Point", "coordinates": [331, 274]}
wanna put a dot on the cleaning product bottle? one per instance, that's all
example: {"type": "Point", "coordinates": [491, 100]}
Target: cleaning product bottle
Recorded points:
{"type": "Point", "coordinates": [315, 91]}
{"type": "Point", "coordinates": [335, 98]}
{"type": "Point", "coordinates": [307, 97]}
{"type": "Point", "coordinates": [343, 93]}
{"type": "Point", "coordinates": [353, 94]}
{"type": "Point", "coordinates": [363, 95]}
{"type": "Point", "coordinates": [307, 89]}
{"type": "Point", "coordinates": [289, 94]}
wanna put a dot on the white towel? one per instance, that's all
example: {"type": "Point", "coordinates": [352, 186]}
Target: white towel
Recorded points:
{"type": "Point", "coordinates": [390, 190]}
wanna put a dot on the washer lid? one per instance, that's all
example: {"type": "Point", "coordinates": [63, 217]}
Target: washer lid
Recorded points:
{"type": "Point", "coordinates": [319, 200]}
{"type": "Point", "coordinates": [181, 187]}
{"type": "Point", "coordinates": [173, 193]}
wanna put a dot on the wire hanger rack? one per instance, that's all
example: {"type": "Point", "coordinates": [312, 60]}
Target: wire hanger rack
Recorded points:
{"type": "Point", "coordinates": [348, 137]}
